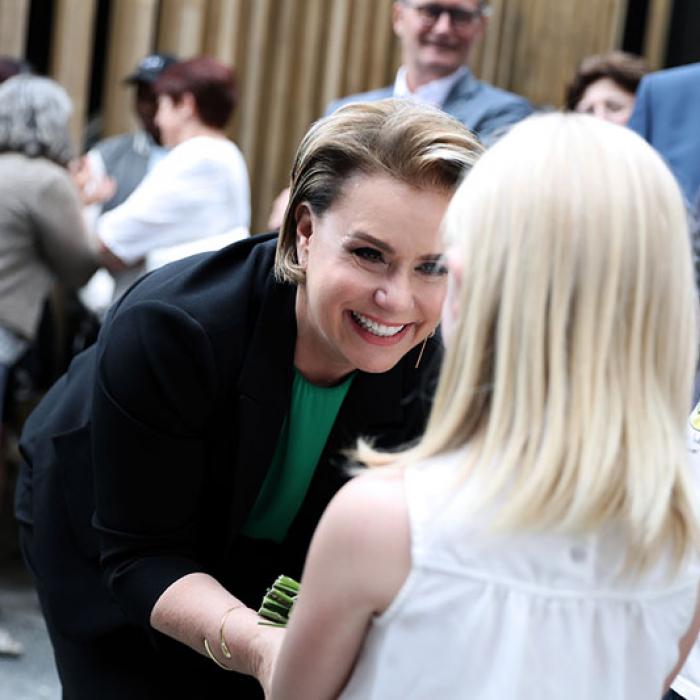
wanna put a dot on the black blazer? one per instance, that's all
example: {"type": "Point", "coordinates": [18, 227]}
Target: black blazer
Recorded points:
{"type": "Point", "coordinates": [176, 414]}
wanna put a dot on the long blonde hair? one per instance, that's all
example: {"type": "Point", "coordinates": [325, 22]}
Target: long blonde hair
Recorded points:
{"type": "Point", "coordinates": [570, 365]}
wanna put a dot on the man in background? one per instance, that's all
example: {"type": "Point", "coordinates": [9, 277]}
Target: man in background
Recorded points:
{"type": "Point", "coordinates": [113, 168]}
{"type": "Point", "coordinates": [666, 114]}
{"type": "Point", "coordinates": [127, 158]}
{"type": "Point", "coordinates": [436, 41]}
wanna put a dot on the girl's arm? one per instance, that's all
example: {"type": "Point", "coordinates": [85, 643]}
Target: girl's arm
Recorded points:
{"type": "Point", "coordinates": [685, 644]}
{"type": "Point", "coordinates": [358, 560]}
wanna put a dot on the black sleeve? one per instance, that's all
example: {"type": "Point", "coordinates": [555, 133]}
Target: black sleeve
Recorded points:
{"type": "Point", "coordinates": [155, 388]}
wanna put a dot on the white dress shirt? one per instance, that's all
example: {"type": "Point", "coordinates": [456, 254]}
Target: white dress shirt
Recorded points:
{"type": "Point", "coordinates": [434, 93]}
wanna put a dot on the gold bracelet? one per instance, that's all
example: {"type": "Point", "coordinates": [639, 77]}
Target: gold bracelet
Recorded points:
{"type": "Point", "coordinates": [212, 657]}
{"type": "Point", "coordinates": [222, 642]}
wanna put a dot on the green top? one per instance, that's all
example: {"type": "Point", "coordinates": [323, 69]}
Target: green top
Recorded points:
{"type": "Point", "coordinates": [312, 412]}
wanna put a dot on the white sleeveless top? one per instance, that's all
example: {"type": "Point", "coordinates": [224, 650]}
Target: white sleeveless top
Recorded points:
{"type": "Point", "coordinates": [524, 616]}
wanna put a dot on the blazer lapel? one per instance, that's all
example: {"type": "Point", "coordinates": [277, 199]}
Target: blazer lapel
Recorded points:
{"type": "Point", "coordinates": [263, 394]}
{"type": "Point", "coordinates": [459, 100]}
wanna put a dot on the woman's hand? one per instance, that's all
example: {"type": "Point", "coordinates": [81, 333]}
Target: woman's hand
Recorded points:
{"type": "Point", "coordinates": [92, 188]}
{"type": "Point", "coordinates": [196, 607]}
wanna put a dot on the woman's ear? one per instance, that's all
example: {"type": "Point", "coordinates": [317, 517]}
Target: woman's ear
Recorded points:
{"type": "Point", "coordinates": [304, 228]}
{"type": "Point", "coordinates": [190, 105]}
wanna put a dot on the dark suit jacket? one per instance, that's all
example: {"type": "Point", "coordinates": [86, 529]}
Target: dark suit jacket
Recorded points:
{"type": "Point", "coordinates": [176, 412]}
{"type": "Point", "coordinates": [666, 115]}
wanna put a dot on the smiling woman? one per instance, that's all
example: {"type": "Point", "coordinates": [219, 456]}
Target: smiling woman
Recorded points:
{"type": "Point", "coordinates": [361, 233]}
{"type": "Point", "coordinates": [214, 411]}
{"type": "Point", "coordinates": [373, 288]}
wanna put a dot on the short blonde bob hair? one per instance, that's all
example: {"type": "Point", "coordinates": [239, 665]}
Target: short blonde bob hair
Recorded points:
{"type": "Point", "coordinates": [570, 364]}
{"type": "Point", "coordinates": [415, 144]}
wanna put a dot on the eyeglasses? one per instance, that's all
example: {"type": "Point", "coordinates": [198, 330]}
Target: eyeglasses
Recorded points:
{"type": "Point", "coordinates": [460, 17]}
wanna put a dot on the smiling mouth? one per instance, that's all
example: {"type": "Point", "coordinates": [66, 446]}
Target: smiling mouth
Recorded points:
{"type": "Point", "coordinates": [381, 330]}
{"type": "Point", "coordinates": [444, 46]}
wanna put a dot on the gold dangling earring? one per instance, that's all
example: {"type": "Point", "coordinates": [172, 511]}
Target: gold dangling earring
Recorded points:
{"type": "Point", "coordinates": [422, 349]}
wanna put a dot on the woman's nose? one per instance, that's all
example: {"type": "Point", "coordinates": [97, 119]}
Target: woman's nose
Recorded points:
{"type": "Point", "coordinates": [395, 295]}
{"type": "Point", "coordinates": [600, 111]}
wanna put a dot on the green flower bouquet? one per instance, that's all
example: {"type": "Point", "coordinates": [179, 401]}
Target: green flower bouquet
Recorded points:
{"type": "Point", "coordinates": [278, 602]}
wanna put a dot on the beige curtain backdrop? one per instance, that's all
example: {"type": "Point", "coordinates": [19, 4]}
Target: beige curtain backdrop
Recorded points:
{"type": "Point", "coordinates": [293, 56]}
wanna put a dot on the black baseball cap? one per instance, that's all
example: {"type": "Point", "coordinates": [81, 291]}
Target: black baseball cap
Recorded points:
{"type": "Point", "coordinates": [150, 68]}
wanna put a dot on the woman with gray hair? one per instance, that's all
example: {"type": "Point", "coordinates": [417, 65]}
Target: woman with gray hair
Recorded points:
{"type": "Point", "coordinates": [43, 237]}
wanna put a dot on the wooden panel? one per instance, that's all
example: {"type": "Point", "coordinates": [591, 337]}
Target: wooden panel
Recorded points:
{"type": "Point", "coordinates": [71, 56]}
{"type": "Point", "coordinates": [359, 57]}
{"type": "Point", "coordinates": [336, 57]}
{"type": "Point", "coordinates": [617, 24]}
{"type": "Point", "coordinates": [292, 57]}
{"type": "Point", "coordinates": [181, 27]}
{"type": "Point", "coordinates": [506, 48]}
{"type": "Point", "coordinates": [132, 32]}
{"type": "Point", "coordinates": [284, 75]}
{"type": "Point", "coordinates": [255, 95]}
{"type": "Point", "coordinates": [219, 35]}
{"type": "Point", "coordinates": [14, 15]}
{"type": "Point", "coordinates": [658, 23]}
{"type": "Point", "coordinates": [383, 45]}
{"type": "Point", "coordinates": [541, 42]}
{"type": "Point", "coordinates": [307, 102]}
{"type": "Point", "coordinates": [239, 54]}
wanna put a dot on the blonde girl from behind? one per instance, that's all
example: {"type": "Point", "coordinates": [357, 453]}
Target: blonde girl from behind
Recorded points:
{"type": "Point", "coordinates": [540, 541]}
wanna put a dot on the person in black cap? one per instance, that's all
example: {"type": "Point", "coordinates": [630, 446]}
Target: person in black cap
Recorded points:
{"type": "Point", "coordinates": [9, 66]}
{"type": "Point", "coordinates": [127, 158]}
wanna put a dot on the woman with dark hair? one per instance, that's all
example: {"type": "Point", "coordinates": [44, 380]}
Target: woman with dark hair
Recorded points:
{"type": "Point", "coordinates": [207, 83]}
{"type": "Point", "coordinates": [605, 85]}
{"type": "Point", "coordinates": [184, 460]}
{"type": "Point", "coordinates": [197, 197]}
